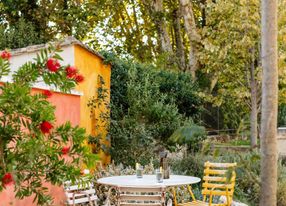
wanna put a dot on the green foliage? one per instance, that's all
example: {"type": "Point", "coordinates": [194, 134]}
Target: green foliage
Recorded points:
{"type": "Point", "coordinates": [100, 113]}
{"type": "Point", "coordinates": [180, 88]}
{"type": "Point", "coordinates": [230, 42]}
{"type": "Point", "coordinates": [29, 154]}
{"type": "Point", "coordinates": [282, 114]}
{"type": "Point", "coordinates": [5, 67]}
{"type": "Point", "coordinates": [145, 110]}
{"type": "Point", "coordinates": [190, 134]}
{"type": "Point", "coordinates": [281, 196]}
{"type": "Point", "coordinates": [23, 23]}
{"type": "Point", "coordinates": [134, 28]}
{"type": "Point", "coordinates": [18, 35]}
{"type": "Point", "coordinates": [231, 46]}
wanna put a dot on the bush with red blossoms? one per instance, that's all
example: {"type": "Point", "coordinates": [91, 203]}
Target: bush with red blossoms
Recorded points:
{"type": "Point", "coordinates": [71, 72]}
{"type": "Point", "coordinates": [5, 55]}
{"type": "Point", "coordinates": [79, 78]}
{"type": "Point", "coordinates": [53, 65]}
{"type": "Point", "coordinates": [46, 127]}
{"type": "Point", "coordinates": [47, 93]}
{"type": "Point", "coordinates": [29, 140]}
{"type": "Point", "coordinates": [65, 150]}
{"type": "Point", "coordinates": [7, 179]}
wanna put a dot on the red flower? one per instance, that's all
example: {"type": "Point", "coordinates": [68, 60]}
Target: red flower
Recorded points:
{"type": "Point", "coordinates": [46, 127]}
{"type": "Point", "coordinates": [71, 71]}
{"type": "Point", "coordinates": [7, 179]}
{"type": "Point", "coordinates": [53, 65]}
{"type": "Point", "coordinates": [5, 55]}
{"type": "Point", "coordinates": [79, 78]}
{"type": "Point", "coordinates": [65, 150]}
{"type": "Point", "coordinates": [47, 93]}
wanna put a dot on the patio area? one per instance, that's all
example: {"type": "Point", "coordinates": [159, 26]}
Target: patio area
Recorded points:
{"type": "Point", "coordinates": [143, 103]}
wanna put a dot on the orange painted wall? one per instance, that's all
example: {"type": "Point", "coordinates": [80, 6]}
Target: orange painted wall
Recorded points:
{"type": "Point", "coordinates": [91, 66]}
{"type": "Point", "coordinates": [67, 107]}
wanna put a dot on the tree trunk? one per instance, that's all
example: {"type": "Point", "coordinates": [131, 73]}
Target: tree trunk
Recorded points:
{"type": "Point", "coordinates": [158, 15]}
{"type": "Point", "coordinates": [191, 30]}
{"type": "Point", "coordinates": [269, 104]}
{"type": "Point", "coordinates": [180, 52]}
{"type": "Point", "coordinates": [204, 18]}
{"type": "Point", "coordinates": [253, 116]}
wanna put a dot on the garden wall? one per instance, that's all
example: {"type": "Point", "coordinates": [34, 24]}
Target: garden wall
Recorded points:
{"type": "Point", "coordinates": [281, 141]}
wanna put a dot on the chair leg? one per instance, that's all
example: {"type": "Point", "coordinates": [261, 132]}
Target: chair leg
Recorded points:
{"type": "Point", "coordinates": [73, 199]}
{"type": "Point", "coordinates": [174, 196]}
{"type": "Point", "coordinates": [191, 192]}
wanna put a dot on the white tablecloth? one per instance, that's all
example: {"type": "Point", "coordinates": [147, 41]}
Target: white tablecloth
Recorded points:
{"type": "Point", "coordinates": [147, 181]}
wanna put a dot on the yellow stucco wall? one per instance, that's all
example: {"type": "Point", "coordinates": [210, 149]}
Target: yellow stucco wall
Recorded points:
{"type": "Point", "coordinates": [91, 66]}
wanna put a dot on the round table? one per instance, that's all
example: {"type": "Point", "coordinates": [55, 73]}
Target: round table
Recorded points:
{"type": "Point", "coordinates": [147, 181]}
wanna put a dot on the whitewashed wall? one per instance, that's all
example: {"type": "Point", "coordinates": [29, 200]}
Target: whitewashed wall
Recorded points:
{"type": "Point", "coordinates": [281, 141]}
{"type": "Point", "coordinates": [19, 59]}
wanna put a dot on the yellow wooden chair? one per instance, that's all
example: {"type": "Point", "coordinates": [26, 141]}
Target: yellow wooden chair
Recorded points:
{"type": "Point", "coordinates": [218, 180]}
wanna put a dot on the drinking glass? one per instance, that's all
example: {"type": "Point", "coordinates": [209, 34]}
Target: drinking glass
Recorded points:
{"type": "Point", "coordinates": [139, 172]}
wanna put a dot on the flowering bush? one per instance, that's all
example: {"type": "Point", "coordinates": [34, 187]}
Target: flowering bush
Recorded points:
{"type": "Point", "coordinates": [33, 149]}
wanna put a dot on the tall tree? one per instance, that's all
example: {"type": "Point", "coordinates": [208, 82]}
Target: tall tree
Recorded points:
{"type": "Point", "coordinates": [148, 30]}
{"type": "Point", "coordinates": [269, 28]}
{"type": "Point", "coordinates": [160, 23]}
{"type": "Point", "coordinates": [179, 44]}
{"type": "Point", "coordinates": [254, 102]}
{"type": "Point", "coordinates": [193, 35]}
{"type": "Point", "coordinates": [231, 56]}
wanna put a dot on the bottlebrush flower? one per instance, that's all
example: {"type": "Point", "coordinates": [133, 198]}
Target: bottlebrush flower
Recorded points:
{"type": "Point", "coordinates": [65, 150]}
{"type": "Point", "coordinates": [71, 71]}
{"type": "Point", "coordinates": [79, 78]}
{"type": "Point", "coordinates": [53, 65]}
{"type": "Point", "coordinates": [47, 93]}
{"type": "Point", "coordinates": [7, 179]}
{"type": "Point", "coordinates": [46, 127]}
{"type": "Point", "coordinates": [5, 55]}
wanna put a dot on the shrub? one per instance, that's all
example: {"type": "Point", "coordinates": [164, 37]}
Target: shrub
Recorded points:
{"type": "Point", "coordinates": [147, 106]}
{"type": "Point", "coordinates": [32, 148]}
{"type": "Point", "coordinates": [20, 34]}
{"type": "Point", "coordinates": [282, 114]}
{"type": "Point", "coordinates": [190, 134]}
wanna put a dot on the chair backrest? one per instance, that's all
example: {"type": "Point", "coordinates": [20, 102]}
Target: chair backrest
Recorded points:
{"type": "Point", "coordinates": [144, 196]}
{"type": "Point", "coordinates": [81, 192]}
{"type": "Point", "coordinates": [219, 179]}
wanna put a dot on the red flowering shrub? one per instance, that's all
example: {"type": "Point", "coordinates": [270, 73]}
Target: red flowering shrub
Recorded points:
{"type": "Point", "coordinates": [53, 65]}
{"type": "Point", "coordinates": [45, 127]}
{"type": "Point", "coordinates": [71, 71]}
{"type": "Point", "coordinates": [7, 179]}
{"type": "Point", "coordinates": [47, 93]}
{"type": "Point", "coordinates": [79, 78]}
{"type": "Point", "coordinates": [5, 55]}
{"type": "Point", "coordinates": [29, 142]}
{"type": "Point", "coordinates": [65, 150]}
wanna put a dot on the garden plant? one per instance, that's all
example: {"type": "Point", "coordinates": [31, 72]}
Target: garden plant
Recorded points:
{"type": "Point", "coordinates": [33, 149]}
